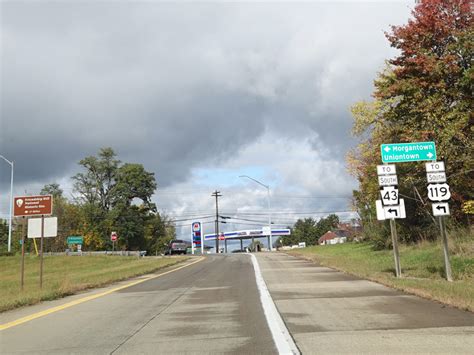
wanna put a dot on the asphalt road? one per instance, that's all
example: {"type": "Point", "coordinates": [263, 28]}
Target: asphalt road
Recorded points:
{"type": "Point", "coordinates": [214, 306]}
{"type": "Point", "coordinates": [330, 312]}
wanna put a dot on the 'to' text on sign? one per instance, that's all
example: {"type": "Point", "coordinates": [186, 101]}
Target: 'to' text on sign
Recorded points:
{"type": "Point", "coordinates": [33, 205]}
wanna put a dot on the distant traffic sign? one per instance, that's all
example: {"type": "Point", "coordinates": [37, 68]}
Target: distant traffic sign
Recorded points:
{"type": "Point", "coordinates": [113, 236]}
{"type": "Point", "coordinates": [439, 192]}
{"type": "Point", "coordinates": [407, 152]}
{"type": "Point", "coordinates": [440, 209]}
{"type": "Point", "coordinates": [33, 205]}
{"type": "Point", "coordinates": [75, 239]}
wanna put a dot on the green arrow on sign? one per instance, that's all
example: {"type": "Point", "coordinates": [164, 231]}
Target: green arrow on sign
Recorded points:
{"type": "Point", "coordinates": [406, 152]}
{"type": "Point", "coordinates": [75, 239]}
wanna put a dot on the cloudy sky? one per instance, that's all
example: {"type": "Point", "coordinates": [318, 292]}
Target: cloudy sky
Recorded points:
{"type": "Point", "coordinates": [199, 93]}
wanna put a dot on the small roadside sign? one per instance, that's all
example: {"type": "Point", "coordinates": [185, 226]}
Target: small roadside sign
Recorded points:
{"type": "Point", "coordinates": [407, 152]}
{"type": "Point", "coordinates": [440, 209]}
{"type": "Point", "coordinates": [439, 192]}
{"type": "Point", "coordinates": [434, 167]}
{"type": "Point", "coordinates": [390, 212]}
{"type": "Point", "coordinates": [24, 206]}
{"type": "Point", "coordinates": [389, 195]}
{"type": "Point", "coordinates": [50, 228]}
{"type": "Point", "coordinates": [74, 239]}
{"type": "Point", "coordinates": [436, 177]}
{"type": "Point", "coordinates": [113, 236]}
{"type": "Point", "coordinates": [386, 169]}
{"type": "Point", "coordinates": [388, 180]}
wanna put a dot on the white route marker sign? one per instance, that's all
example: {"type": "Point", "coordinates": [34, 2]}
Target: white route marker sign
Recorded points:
{"type": "Point", "coordinates": [388, 180]}
{"type": "Point", "coordinates": [389, 195]}
{"type": "Point", "coordinates": [436, 177]}
{"type": "Point", "coordinates": [386, 169]}
{"type": "Point", "coordinates": [390, 212]}
{"type": "Point", "coordinates": [439, 192]}
{"type": "Point", "coordinates": [440, 209]}
{"type": "Point", "coordinates": [434, 167]}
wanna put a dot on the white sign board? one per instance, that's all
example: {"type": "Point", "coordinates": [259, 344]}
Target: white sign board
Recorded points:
{"type": "Point", "coordinates": [50, 227]}
{"type": "Point", "coordinates": [388, 180]}
{"type": "Point", "coordinates": [395, 212]}
{"type": "Point", "coordinates": [434, 167]}
{"type": "Point", "coordinates": [380, 211]}
{"type": "Point", "coordinates": [440, 209]}
{"type": "Point", "coordinates": [436, 177]}
{"type": "Point", "coordinates": [439, 192]}
{"type": "Point", "coordinates": [390, 212]}
{"type": "Point", "coordinates": [386, 169]}
{"type": "Point", "coordinates": [266, 230]}
{"type": "Point", "coordinates": [389, 195]}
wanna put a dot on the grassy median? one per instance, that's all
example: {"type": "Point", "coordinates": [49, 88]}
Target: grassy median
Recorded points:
{"type": "Point", "coordinates": [65, 275]}
{"type": "Point", "coordinates": [422, 268]}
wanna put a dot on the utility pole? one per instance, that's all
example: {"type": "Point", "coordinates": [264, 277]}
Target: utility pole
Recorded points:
{"type": "Point", "coordinates": [217, 194]}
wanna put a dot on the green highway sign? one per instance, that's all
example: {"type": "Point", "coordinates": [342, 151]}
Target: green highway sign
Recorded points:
{"type": "Point", "coordinates": [406, 152]}
{"type": "Point", "coordinates": [75, 240]}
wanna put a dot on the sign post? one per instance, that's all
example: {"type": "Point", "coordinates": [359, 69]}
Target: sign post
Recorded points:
{"type": "Point", "coordinates": [113, 238]}
{"type": "Point", "coordinates": [23, 232]}
{"type": "Point", "coordinates": [196, 236]}
{"type": "Point", "coordinates": [27, 206]}
{"type": "Point", "coordinates": [438, 193]}
{"type": "Point", "coordinates": [390, 206]}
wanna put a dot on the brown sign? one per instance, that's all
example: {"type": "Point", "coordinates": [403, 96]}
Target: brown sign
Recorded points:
{"type": "Point", "coordinates": [33, 205]}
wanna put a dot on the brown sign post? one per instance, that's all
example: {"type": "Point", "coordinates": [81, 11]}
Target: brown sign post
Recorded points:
{"type": "Point", "coordinates": [27, 206]}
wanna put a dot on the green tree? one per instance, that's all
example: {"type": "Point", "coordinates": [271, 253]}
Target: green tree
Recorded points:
{"type": "Point", "coordinates": [115, 197]}
{"type": "Point", "coordinates": [425, 93]}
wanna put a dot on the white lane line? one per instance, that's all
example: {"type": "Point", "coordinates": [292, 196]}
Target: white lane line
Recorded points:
{"type": "Point", "coordinates": [281, 336]}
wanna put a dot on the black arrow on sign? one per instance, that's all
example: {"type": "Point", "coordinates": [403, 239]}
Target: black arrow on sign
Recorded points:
{"type": "Point", "coordinates": [393, 211]}
{"type": "Point", "coordinates": [441, 208]}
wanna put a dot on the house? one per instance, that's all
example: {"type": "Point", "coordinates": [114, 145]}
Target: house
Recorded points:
{"type": "Point", "coordinates": [334, 237]}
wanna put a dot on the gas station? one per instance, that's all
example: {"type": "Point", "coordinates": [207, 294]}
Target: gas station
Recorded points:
{"type": "Point", "coordinates": [265, 232]}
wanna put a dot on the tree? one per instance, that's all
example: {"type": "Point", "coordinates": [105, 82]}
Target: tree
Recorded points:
{"type": "Point", "coordinates": [115, 197]}
{"type": "Point", "coordinates": [425, 93]}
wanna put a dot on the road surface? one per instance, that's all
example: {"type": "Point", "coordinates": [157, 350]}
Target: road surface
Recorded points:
{"type": "Point", "coordinates": [214, 306]}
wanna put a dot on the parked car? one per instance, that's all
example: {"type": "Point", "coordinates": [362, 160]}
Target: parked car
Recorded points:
{"type": "Point", "coordinates": [176, 246]}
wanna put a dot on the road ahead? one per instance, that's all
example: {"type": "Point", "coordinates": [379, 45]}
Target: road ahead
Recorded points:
{"type": "Point", "coordinates": [213, 306]}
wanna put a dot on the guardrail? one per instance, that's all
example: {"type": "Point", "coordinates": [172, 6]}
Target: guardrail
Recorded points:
{"type": "Point", "coordinates": [91, 253]}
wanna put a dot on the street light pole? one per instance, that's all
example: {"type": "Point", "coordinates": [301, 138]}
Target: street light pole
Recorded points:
{"type": "Point", "coordinates": [268, 204]}
{"type": "Point", "coordinates": [11, 204]}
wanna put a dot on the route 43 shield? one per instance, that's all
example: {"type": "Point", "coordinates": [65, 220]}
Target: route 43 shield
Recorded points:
{"type": "Point", "coordinates": [389, 195]}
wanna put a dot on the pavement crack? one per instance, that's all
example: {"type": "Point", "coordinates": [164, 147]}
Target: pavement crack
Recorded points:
{"type": "Point", "coordinates": [151, 319]}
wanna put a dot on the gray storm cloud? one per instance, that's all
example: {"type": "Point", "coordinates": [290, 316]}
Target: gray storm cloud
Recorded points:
{"type": "Point", "coordinates": [177, 85]}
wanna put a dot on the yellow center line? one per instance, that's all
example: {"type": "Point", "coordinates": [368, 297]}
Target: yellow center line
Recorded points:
{"type": "Point", "coordinates": [87, 298]}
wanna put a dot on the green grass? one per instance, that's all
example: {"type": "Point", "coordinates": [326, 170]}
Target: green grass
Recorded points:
{"type": "Point", "coordinates": [65, 275]}
{"type": "Point", "coordinates": [422, 268]}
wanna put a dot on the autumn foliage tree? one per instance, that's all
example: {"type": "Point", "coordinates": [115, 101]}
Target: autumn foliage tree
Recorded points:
{"type": "Point", "coordinates": [424, 94]}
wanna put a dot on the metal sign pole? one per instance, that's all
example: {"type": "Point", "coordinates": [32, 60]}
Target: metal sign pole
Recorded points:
{"type": "Point", "coordinates": [23, 232]}
{"type": "Point", "coordinates": [442, 227]}
{"type": "Point", "coordinates": [202, 239]}
{"type": "Point", "coordinates": [393, 231]}
{"type": "Point", "coordinates": [41, 251]}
